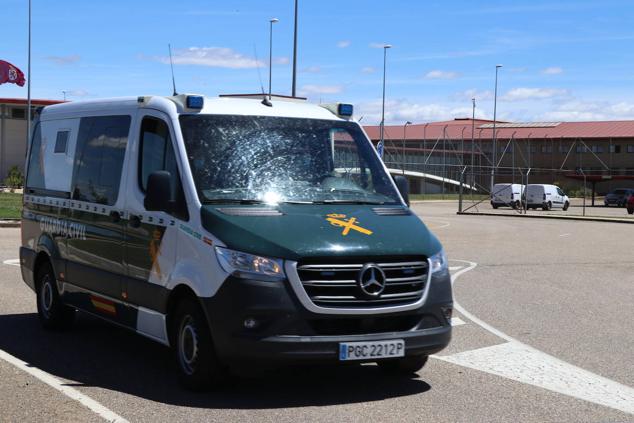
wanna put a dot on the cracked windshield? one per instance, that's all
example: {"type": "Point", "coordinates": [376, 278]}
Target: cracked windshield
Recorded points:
{"type": "Point", "coordinates": [256, 159]}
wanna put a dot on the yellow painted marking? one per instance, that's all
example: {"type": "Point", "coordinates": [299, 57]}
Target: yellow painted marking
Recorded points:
{"type": "Point", "coordinates": [347, 224]}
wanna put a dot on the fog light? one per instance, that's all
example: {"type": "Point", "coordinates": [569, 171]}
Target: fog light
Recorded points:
{"type": "Point", "coordinates": [250, 323]}
{"type": "Point", "coordinates": [447, 312]}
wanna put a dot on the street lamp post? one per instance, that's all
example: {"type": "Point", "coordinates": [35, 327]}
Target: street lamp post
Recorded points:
{"type": "Point", "coordinates": [293, 91]}
{"type": "Point", "coordinates": [272, 21]}
{"type": "Point", "coordinates": [404, 137]}
{"type": "Point", "coordinates": [385, 47]}
{"type": "Point", "coordinates": [472, 145]}
{"type": "Point", "coordinates": [495, 142]}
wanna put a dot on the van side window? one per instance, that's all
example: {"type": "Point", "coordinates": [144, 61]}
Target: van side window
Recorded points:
{"type": "Point", "coordinates": [35, 171]}
{"type": "Point", "coordinates": [157, 153]}
{"type": "Point", "coordinates": [101, 144]}
{"type": "Point", "coordinates": [61, 141]}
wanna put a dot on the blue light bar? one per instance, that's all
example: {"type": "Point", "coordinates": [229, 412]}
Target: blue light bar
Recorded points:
{"type": "Point", "coordinates": [195, 102]}
{"type": "Point", "coordinates": [345, 110]}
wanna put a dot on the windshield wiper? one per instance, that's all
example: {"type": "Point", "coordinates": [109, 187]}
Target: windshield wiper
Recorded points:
{"type": "Point", "coordinates": [232, 201]}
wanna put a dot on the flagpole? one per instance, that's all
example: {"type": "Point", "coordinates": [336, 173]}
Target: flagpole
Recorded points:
{"type": "Point", "coordinates": [28, 71]}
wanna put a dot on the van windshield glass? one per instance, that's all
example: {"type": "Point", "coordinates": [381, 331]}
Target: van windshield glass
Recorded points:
{"type": "Point", "coordinates": [272, 159]}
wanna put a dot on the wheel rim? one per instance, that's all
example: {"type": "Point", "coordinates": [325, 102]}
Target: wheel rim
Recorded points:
{"type": "Point", "coordinates": [46, 296]}
{"type": "Point", "coordinates": [188, 345]}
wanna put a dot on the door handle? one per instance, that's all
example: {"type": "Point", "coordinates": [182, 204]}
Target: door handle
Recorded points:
{"type": "Point", "coordinates": [135, 221]}
{"type": "Point", "coordinates": [115, 216]}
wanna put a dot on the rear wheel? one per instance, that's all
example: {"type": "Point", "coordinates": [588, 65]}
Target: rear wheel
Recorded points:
{"type": "Point", "coordinates": [198, 366]}
{"type": "Point", "coordinates": [495, 206]}
{"type": "Point", "coordinates": [405, 365]}
{"type": "Point", "coordinates": [630, 210]}
{"type": "Point", "coordinates": [53, 314]}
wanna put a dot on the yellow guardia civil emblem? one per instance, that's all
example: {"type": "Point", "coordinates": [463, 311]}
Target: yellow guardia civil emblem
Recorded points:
{"type": "Point", "coordinates": [347, 224]}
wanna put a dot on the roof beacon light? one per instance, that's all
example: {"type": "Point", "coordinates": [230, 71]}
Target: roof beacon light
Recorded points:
{"type": "Point", "coordinates": [345, 110]}
{"type": "Point", "coordinates": [195, 102]}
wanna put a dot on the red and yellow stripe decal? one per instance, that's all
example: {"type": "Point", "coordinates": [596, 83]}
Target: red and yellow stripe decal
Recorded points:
{"type": "Point", "coordinates": [103, 305]}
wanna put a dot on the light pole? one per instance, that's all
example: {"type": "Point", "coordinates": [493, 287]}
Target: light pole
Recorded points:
{"type": "Point", "coordinates": [28, 101]}
{"type": "Point", "coordinates": [293, 91]}
{"type": "Point", "coordinates": [404, 137]}
{"type": "Point", "coordinates": [472, 145]}
{"type": "Point", "coordinates": [272, 21]}
{"type": "Point", "coordinates": [385, 47]}
{"type": "Point", "coordinates": [495, 142]}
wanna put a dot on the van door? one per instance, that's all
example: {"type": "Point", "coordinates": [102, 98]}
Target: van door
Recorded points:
{"type": "Point", "coordinates": [95, 230]}
{"type": "Point", "coordinates": [150, 237]}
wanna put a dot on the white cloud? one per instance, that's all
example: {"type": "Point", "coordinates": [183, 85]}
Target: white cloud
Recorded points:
{"type": "Point", "coordinates": [473, 93]}
{"type": "Point", "coordinates": [438, 74]}
{"type": "Point", "coordinates": [343, 43]}
{"type": "Point", "coordinates": [64, 60]}
{"type": "Point", "coordinates": [77, 93]}
{"type": "Point", "coordinates": [554, 70]}
{"type": "Point", "coordinates": [281, 60]}
{"type": "Point", "coordinates": [399, 111]}
{"type": "Point", "coordinates": [524, 94]}
{"type": "Point", "coordinates": [217, 57]}
{"type": "Point", "coordinates": [312, 69]}
{"type": "Point", "coordinates": [578, 110]}
{"type": "Point", "coordinates": [368, 69]}
{"type": "Point", "coordinates": [321, 89]}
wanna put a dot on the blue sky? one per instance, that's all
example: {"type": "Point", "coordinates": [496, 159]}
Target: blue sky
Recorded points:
{"type": "Point", "coordinates": [562, 60]}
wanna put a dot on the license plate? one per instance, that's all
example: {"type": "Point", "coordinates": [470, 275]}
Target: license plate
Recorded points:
{"type": "Point", "coordinates": [371, 350]}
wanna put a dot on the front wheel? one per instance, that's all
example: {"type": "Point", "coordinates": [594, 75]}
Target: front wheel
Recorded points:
{"type": "Point", "coordinates": [198, 366]}
{"type": "Point", "coordinates": [405, 365]}
{"type": "Point", "coordinates": [566, 205]}
{"type": "Point", "coordinates": [53, 314]}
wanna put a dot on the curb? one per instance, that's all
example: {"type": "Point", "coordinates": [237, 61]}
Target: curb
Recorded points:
{"type": "Point", "coordinates": [531, 216]}
{"type": "Point", "coordinates": [10, 223]}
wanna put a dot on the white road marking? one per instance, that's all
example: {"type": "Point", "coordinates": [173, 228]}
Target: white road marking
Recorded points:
{"type": "Point", "coordinates": [443, 223]}
{"type": "Point", "coordinates": [518, 361]}
{"type": "Point", "coordinates": [12, 262]}
{"type": "Point", "coordinates": [454, 268]}
{"type": "Point", "coordinates": [564, 235]}
{"type": "Point", "coordinates": [70, 392]}
{"type": "Point", "coordinates": [457, 321]}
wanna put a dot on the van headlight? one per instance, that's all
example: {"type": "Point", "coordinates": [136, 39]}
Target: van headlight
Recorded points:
{"type": "Point", "coordinates": [438, 262]}
{"type": "Point", "coordinates": [244, 265]}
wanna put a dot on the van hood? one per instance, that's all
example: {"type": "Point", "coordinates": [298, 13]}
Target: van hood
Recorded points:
{"type": "Point", "coordinates": [296, 231]}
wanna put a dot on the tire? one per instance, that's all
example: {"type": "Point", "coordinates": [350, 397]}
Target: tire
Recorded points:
{"type": "Point", "coordinates": [52, 312]}
{"type": "Point", "coordinates": [403, 366]}
{"type": "Point", "coordinates": [196, 361]}
{"type": "Point", "coordinates": [566, 205]}
{"type": "Point", "coordinates": [495, 206]}
{"type": "Point", "coordinates": [630, 211]}
{"type": "Point", "coordinates": [547, 206]}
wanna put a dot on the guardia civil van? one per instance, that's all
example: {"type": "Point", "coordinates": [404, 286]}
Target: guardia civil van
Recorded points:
{"type": "Point", "coordinates": [233, 230]}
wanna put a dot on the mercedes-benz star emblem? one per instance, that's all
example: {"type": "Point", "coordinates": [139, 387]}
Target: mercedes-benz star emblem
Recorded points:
{"type": "Point", "coordinates": [371, 280]}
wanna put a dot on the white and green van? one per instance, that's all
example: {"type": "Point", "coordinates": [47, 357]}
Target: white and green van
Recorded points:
{"type": "Point", "coordinates": [232, 230]}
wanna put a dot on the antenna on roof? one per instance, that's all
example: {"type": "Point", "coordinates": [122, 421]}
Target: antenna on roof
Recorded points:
{"type": "Point", "coordinates": [169, 47]}
{"type": "Point", "coordinates": [265, 100]}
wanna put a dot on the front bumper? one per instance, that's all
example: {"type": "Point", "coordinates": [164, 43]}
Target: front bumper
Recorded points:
{"type": "Point", "coordinates": [283, 330]}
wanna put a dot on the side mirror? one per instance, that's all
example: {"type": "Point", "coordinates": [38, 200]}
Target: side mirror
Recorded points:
{"type": "Point", "coordinates": [403, 187]}
{"type": "Point", "coordinates": [159, 192]}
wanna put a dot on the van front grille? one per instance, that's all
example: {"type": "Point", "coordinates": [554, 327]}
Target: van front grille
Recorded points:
{"type": "Point", "coordinates": [336, 285]}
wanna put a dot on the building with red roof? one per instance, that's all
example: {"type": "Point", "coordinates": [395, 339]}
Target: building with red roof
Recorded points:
{"type": "Point", "coordinates": [556, 152]}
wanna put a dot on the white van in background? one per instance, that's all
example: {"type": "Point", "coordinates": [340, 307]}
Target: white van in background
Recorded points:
{"type": "Point", "coordinates": [546, 197]}
{"type": "Point", "coordinates": [507, 195]}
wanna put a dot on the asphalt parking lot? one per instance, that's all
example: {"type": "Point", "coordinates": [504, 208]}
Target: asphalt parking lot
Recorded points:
{"type": "Point", "coordinates": [543, 333]}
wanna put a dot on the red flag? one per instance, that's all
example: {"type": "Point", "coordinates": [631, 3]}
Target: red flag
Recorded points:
{"type": "Point", "coordinates": [10, 74]}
